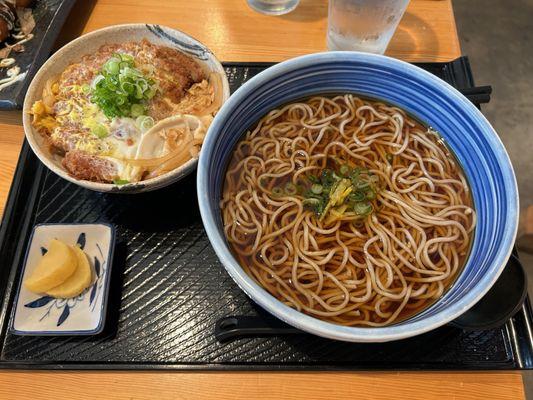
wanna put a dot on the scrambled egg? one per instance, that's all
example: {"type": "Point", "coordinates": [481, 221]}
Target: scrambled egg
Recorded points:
{"type": "Point", "coordinates": [116, 139]}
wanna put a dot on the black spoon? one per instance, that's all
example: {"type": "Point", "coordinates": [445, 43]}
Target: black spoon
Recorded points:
{"type": "Point", "coordinates": [501, 302]}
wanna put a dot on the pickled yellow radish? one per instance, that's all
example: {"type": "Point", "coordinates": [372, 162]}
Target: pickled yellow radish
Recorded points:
{"type": "Point", "coordinates": [78, 281]}
{"type": "Point", "coordinates": [56, 266]}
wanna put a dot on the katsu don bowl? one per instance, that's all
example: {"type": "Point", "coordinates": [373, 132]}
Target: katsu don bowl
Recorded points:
{"type": "Point", "coordinates": [124, 108]}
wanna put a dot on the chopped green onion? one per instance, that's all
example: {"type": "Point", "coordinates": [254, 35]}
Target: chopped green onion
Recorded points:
{"type": "Point", "coordinates": [336, 177]}
{"type": "Point", "coordinates": [317, 188]}
{"type": "Point", "coordinates": [291, 189]}
{"type": "Point", "coordinates": [120, 181]}
{"type": "Point", "coordinates": [150, 93]}
{"type": "Point", "coordinates": [112, 67]}
{"type": "Point", "coordinates": [356, 172]}
{"type": "Point", "coordinates": [313, 179]}
{"type": "Point", "coordinates": [277, 191]}
{"type": "Point", "coordinates": [99, 131]}
{"type": "Point", "coordinates": [327, 177]}
{"type": "Point", "coordinates": [362, 208]}
{"type": "Point", "coordinates": [97, 80]}
{"type": "Point", "coordinates": [361, 184]}
{"type": "Point", "coordinates": [388, 156]}
{"type": "Point", "coordinates": [121, 90]}
{"type": "Point", "coordinates": [86, 89]}
{"type": "Point", "coordinates": [127, 87]}
{"type": "Point", "coordinates": [352, 187]}
{"type": "Point", "coordinates": [138, 92]}
{"type": "Point", "coordinates": [311, 201]}
{"type": "Point", "coordinates": [144, 122]}
{"type": "Point", "coordinates": [136, 110]}
{"type": "Point", "coordinates": [358, 195]}
{"type": "Point", "coordinates": [125, 57]}
{"type": "Point", "coordinates": [370, 194]}
{"type": "Point", "coordinates": [358, 224]}
{"type": "Point", "coordinates": [345, 170]}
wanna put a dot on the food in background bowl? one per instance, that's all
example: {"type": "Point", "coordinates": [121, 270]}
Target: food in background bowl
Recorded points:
{"type": "Point", "coordinates": [178, 81]}
{"type": "Point", "coordinates": [127, 112]}
{"type": "Point", "coordinates": [348, 210]}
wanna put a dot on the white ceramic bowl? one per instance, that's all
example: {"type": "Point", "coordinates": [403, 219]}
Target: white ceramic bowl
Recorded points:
{"type": "Point", "coordinates": [89, 43]}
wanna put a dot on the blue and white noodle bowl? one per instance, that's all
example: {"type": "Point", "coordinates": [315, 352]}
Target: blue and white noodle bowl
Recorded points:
{"type": "Point", "coordinates": [466, 132]}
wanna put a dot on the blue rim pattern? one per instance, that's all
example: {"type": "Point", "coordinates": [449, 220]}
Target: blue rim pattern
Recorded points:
{"type": "Point", "coordinates": [428, 98]}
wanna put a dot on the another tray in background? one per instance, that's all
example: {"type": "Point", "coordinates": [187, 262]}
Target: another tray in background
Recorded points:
{"type": "Point", "coordinates": [49, 15]}
{"type": "Point", "coordinates": [169, 288]}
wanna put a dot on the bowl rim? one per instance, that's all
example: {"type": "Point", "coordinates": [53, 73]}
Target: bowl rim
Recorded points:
{"type": "Point", "coordinates": [148, 184]}
{"type": "Point", "coordinates": [311, 324]}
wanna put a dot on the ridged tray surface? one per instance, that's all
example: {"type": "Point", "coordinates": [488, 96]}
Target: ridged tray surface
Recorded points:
{"type": "Point", "coordinates": [168, 289]}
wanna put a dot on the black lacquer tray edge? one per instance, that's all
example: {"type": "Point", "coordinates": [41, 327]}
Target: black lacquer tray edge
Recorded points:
{"type": "Point", "coordinates": [17, 221]}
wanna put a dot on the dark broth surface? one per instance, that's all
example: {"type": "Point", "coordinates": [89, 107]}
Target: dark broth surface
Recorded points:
{"type": "Point", "coordinates": [348, 209]}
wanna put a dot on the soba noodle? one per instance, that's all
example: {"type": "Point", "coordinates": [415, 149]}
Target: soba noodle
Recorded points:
{"type": "Point", "coordinates": [347, 210]}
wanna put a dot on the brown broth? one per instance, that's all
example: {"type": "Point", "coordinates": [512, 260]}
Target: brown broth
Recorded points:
{"type": "Point", "coordinates": [249, 262]}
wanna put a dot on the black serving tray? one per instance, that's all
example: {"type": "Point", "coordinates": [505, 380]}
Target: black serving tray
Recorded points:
{"type": "Point", "coordinates": [49, 16]}
{"type": "Point", "coordinates": [169, 289]}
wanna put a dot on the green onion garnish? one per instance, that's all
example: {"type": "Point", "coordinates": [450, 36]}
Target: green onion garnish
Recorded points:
{"type": "Point", "coordinates": [313, 179]}
{"type": "Point", "coordinates": [136, 110]}
{"type": "Point", "coordinates": [121, 90]}
{"type": "Point", "coordinates": [99, 131]}
{"type": "Point", "coordinates": [120, 181]}
{"type": "Point", "coordinates": [291, 189]}
{"type": "Point", "coordinates": [311, 201]}
{"type": "Point", "coordinates": [317, 188]}
{"type": "Point", "coordinates": [112, 67]}
{"type": "Point", "coordinates": [361, 184]}
{"type": "Point", "coordinates": [277, 191]}
{"type": "Point", "coordinates": [345, 170]}
{"type": "Point", "coordinates": [358, 195]}
{"type": "Point", "coordinates": [315, 205]}
{"type": "Point", "coordinates": [362, 208]}
{"type": "Point", "coordinates": [347, 190]}
{"type": "Point", "coordinates": [144, 122]}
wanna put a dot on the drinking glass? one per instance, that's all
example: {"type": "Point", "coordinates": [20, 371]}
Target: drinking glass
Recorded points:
{"type": "Point", "coordinates": [273, 7]}
{"type": "Point", "coordinates": [363, 25]}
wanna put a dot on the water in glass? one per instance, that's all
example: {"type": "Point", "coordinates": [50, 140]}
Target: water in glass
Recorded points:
{"type": "Point", "coordinates": [273, 7]}
{"type": "Point", "coordinates": [363, 25]}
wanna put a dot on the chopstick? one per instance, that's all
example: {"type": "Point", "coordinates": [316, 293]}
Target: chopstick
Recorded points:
{"type": "Point", "coordinates": [476, 90]}
{"type": "Point", "coordinates": [477, 94]}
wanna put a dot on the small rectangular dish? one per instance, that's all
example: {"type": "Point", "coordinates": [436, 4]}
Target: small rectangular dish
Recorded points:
{"type": "Point", "coordinates": [35, 314]}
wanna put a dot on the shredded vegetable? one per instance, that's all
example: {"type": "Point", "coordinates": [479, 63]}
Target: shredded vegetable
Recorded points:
{"type": "Point", "coordinates": [331, 195]}
{"type": "Point", "coordinates": [348, 190]}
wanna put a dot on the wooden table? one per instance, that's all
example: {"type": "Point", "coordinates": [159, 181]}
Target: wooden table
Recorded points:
{"type": "Point", "coordinates": [235, 33]}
